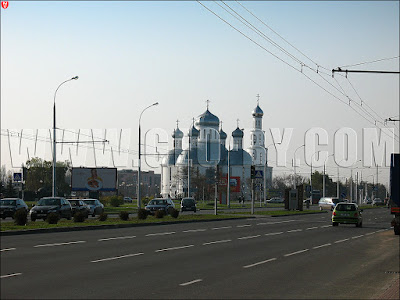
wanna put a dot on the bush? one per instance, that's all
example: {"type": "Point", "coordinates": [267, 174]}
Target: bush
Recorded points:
{"type": "Point", "coordinates": [116, 201]}
{"type": "Point", "coordinates": [142, 214]}
{"type": "Point", "coordinates": [53, 218]}
{"type": "Point", "coordinates": [159, 214]}
{"type": "Point", "coordinates": [102, 217]}
{"type": "Point", "coordinates": [79, 217]}
{"type": "Point", "coordinates": [173, 212]}
{"type": "Point", "coordinates": [21, 217]}
{"type": "Point", "coordinates": [124, 215]}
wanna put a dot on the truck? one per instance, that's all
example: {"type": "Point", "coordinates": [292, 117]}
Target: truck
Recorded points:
{"type": "Point", "coordinates": [395, 191]}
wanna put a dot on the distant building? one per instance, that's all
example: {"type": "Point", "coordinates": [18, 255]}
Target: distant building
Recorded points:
{"type": "Point", "coordinates": [127, 183]}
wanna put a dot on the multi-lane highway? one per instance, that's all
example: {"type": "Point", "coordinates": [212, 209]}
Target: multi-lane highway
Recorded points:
{"type": "Point", "coordinates": [285, 257]}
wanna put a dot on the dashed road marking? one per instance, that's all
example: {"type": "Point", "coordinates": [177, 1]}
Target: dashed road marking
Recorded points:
{"type": "Point", "coordinates": [297, 252]}
{"type": "Point", "coordinates": [248, 237]}
{"type": "Point", "coordinates": [245, 225]}
{"type": "Point", "coordinates": [7, 249]}
{"type": "Point", "coordinates": [191, 282]}
{"type": "Point", "coordinates": [117, 238]}
{"type": "Point", "coordinates": [259, 263]}
{"type": "Point", "coordinates": [217, 242]}
{"type": "Point", "coordinates": [357, 236]}
{"type": "Point", "coordinates": [174, 248]}
{"type": "Point", "coordinates": [160, 233]}
{"type": "Point", "coordinates": [59, 244]}
{"type": "Point", "coordinates": [194, 230]}
{"type": "Point", "coordinates": [117, 257]}
{"type": "Point", "coordinates": [311, 228]}
{"type": "Point", "coordinates": [340, 241]}
{"type": "Point", "coordinates": [325, 226]}
{"type": "Point", "coordinates": [224, 227]}
{"type": "Point", "coordinates": [261, 223]}
{"type": "Point", "coordinates": [274, 233]}
{"type": "Point", "coordinates": [320, 246]}
{"type": "Point", "coordinates": [10, 275]}
{"type": "Point", "coordinates": [295, 230]}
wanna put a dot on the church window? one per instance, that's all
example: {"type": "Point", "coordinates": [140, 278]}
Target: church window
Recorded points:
{"type": "Point", "coordinates": [254, 139]}
{"type": "Point", "coordinates": [170, 174]}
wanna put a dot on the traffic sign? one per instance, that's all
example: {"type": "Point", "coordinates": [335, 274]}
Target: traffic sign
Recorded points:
{"type": "Point", "coordinates": [17, 177]}
{"type": "Point", "coordinates": [259, 174]}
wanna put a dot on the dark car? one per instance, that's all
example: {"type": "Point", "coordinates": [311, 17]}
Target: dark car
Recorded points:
{"type": "Point", "coordinates": [95, 206]}
{"type": "Point", "coordinates": [47, 205]}
{"type": "Point", "coordinates": [79, 206]}
{"type": "Point", "coordinates": [159, 204]}
{"type": "Point", "coordinates": [188, 204]}
{"type": "Point", "coordinates": [8, 207]}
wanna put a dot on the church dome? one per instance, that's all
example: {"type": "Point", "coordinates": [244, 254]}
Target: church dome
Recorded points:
{"type": "Point", "coordinates": [258, 112]}
{"type": "Point", "coordinates": [207, 119]}
{"type": "Point", "coordinates": [193, 132]}
{"type": "Point", "coordinates": [237, 133]}
{"type": "Point", "coordinates": [177, 134]}
{"type": "Point", "coordinates": [222, 135]}
{"type": "Point", "coordinates": [171, 158]}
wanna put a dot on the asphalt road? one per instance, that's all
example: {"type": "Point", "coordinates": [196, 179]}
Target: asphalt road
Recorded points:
{"type": "Point", "coordinates": [285, 257]}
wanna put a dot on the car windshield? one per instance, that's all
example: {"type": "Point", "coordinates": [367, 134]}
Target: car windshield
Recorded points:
{"type": "Point", "coordinates": [158, 202]}
{"type": "Point", "coordinates": [49, 201]}
{"type": "Point", "coordinates": [336, 201]}
{"type": "Point", "coordinates": [187, 201]}
{"type": "Point", "coordinates": [8, 202]}
{"type": "Point", "coordinates": [74, 202]}
{"type": "Point", "coordinates": [90, 202]}
{"type": "Point", "coordinates": [346, 207]}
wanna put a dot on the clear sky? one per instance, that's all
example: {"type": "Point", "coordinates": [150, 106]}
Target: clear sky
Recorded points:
{"type": "Point", "coordinates": [130, 54]}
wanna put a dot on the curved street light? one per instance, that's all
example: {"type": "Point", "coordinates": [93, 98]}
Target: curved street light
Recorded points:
{"type": "Point", "coordinates": [323, 178]}
{"type": "Point", "coordinates": [54, 188]}
{"type": "Point", "coordinates": [139, 201]}
{"type": "Point", "coordinates": [294, 165]}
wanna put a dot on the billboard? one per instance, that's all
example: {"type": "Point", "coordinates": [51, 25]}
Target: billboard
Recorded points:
{"type": "Point", "coordinates": [94, 179]}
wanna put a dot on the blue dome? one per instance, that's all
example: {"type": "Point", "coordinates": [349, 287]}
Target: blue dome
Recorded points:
{"type": "Point", "coordinates": [240, 157]}
{"type": "Point", "coordinates": [222, 135]}
{"type": "Point", "coordinates": [258, 112]}
{"type": "Point", "coordinates": [237, 133]}
{"type": "Point", "coordinates": [193, 131]}
{"type": "Point", "coordinates": [177, 134]}
{"type": "Point", "coordinates": [207, 119]}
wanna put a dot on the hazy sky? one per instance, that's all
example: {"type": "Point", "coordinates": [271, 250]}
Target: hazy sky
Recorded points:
{"type": "Point", "coordinates": [130, 54]}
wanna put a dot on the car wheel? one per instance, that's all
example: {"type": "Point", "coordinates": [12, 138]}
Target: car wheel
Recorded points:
{"type": "Point", "coordinates": [69, 216]}
{"type": "Point", "coordinates": [3, 217]}
{"type": "Point", "coordinates": [93, 215]}
{"type": "Point", "coordinates": [320, 208]}
{"type": "Point", "coordinates": [194, 210]}
{"type": "Point", "coordinates": [335, 224]}
{"type": "Point", "coordinates": [44, 219]}
{"type": "Point", "coordinates": [33, 219]}
{"type": "Point", "coordinates": [396, 229]}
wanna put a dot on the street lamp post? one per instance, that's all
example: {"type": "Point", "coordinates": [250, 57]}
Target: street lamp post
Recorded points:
{"type": "Point", "coordinates": [311, 197]}
{"type": "Point", "coordinates": [323, 178]}
{"type": "Point", "coordinates": [54, 189]}
{"type": "Point", "coordinates": [294, 166]}
{"type": "Point", "coordinates": [139, 201]}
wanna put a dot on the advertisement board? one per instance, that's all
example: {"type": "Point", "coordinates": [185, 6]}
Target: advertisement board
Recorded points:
{"type": "Point", "coordinates": [94, 179]}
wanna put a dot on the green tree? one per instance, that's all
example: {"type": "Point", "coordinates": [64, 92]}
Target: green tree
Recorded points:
{"type": "Point", "coordinates": [10, 192]}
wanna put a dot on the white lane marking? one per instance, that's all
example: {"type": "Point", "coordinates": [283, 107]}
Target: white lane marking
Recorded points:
{"type": "Point", "coordinates": [217, 242]}
{"type": "Point", "coordinates": [259, 263]}
{"type": "Point", "coordinates": [320, 246]}
{"type": "Point", "coordinates": [326, 226]}
{"type": "Point", "coordinates": [246, 225]}
{"type": "Point", "coordinates": [295, 230]}
{"type": "Point", "coordinates": [117, 257]}
{"type": "Point", "coordinates": [194, 230]}
{"type": "Point", "coordinates": [381, 230]}
{"type": "Point", "coordinates": [340, 241]}
{"type": "Point", "coordinates": [160, 233]}
{"type": "Point", "coordinates": [369, 233]}
{"type": "Point", "coordinates": [59, 244]}
{"type": "Point", "coordinates": [297, 252]}
{"type": "Point", "coordinates": [357, 236]}
{"type": "Point", "coordinates": [261, 223]}
{"type": "Point", "coordinates": [281, 222]}
{"type": "Point", "coordinates": [7, 249]}
{"type": "Point", "coordinates": [10, 275]}
{"type": "Point", "coordinates": [190, 282]}
{"type": "Point", "coordinates": [225, 227]}
{"type": "Point", "coordinates": [248, 237]}
{"type": "Point", "coordinates": [117, 238]}
{"type": "Point", "coordinates": [274, 233]}
{"type": "Point", "coordinates": [311, 228]}
{"type": "Point", "coordinates": [174, 248]}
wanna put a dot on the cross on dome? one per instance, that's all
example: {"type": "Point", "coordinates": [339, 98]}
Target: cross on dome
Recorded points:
{"type": "Point", "coordinates": [258, 99]}
{"type": "Point", "coordinates": [208, 103]}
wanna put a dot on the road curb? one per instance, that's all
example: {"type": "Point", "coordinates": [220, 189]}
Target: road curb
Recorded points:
{"type": "Point", "coordinates": [314, 213]}
{"type": "Point", "coordinates": [108, 226]}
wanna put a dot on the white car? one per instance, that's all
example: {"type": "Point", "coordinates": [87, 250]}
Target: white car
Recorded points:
{"type": "Point", "coordinates": [128, 199]}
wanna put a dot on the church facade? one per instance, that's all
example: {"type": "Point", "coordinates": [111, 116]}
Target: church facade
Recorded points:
{"type": "Point", "coordinates": [207, 157]}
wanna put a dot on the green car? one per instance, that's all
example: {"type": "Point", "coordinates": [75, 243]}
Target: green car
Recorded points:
{"type": "Point", "coordinates": [347, 213]}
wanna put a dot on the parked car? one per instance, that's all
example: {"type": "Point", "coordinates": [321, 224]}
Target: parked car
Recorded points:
{"type": "Point", "coordinates": [276, 200]}
{"type": "Point", "coordinates": [347, 213]}
{"type": "Point", "coordinates": [79, 206]}
{"type": "Point", "coordinates": [128, 199]}
{"type": "Point", "coordinates": [377, 202]}
{"type": "Point", "coordinates": [95, 206]}
{"type": "Point", "coordinates": [48, 205]}
{"type": "Point", "coordinates": [328, 203]}
{"type": "Point", "coordinates": [8, 207]}
{"type": "Point", "coordinates": [159, 204]}
{"type": "Point", "coordinates": [188, 204]}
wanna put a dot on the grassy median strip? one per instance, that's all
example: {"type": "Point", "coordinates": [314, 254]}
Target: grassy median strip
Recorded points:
{"type": "Point", "coordinates": [9, 225]}
{"type": "Point", "coordinates": [279, 212]}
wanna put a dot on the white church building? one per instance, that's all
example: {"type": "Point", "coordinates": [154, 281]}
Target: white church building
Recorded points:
{"type": "Point", "coordinates": [207, 151]}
